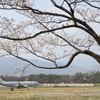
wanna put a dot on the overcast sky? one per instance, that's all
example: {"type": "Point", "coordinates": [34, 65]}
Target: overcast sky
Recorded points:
{"type": "Point", "coordinates": [46, 5]}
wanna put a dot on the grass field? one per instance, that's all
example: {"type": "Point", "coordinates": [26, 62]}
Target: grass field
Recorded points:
{"type": "Point", "coordinates": [51, 93]}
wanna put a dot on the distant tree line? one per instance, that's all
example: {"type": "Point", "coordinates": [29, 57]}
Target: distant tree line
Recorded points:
{"type": "Point", "coordinates": [91, 77]}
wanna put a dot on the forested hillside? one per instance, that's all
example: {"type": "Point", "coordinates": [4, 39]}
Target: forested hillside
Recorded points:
{"type": "Point", "coordinates": [91, 77]}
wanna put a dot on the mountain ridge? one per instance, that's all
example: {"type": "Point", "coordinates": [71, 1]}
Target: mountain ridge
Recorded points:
{"type": "Point", "coordinates": [7, 65]}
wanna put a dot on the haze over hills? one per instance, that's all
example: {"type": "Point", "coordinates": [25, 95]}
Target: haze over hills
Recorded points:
{"type": "Point", "coordinates": [8, 65]}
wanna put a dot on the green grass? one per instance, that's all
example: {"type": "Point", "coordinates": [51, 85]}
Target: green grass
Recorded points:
{"type": "Point", "coordinates": [51, 93]}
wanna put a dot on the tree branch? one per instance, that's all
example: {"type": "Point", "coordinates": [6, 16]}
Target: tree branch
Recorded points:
{"type": "Point", "coordinates": [57, 67]}
{"type": "Point", "coordinates": [92, 54]}
{"type": "Point", "coordinates": [91, 4]}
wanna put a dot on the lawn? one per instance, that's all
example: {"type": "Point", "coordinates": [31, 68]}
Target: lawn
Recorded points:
{"type": "Point", "coordinates": [51, 93]}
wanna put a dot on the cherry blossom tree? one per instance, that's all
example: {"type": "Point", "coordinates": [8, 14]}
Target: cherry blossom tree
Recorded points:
{"type": "Point", "coordinates": [45, 35]}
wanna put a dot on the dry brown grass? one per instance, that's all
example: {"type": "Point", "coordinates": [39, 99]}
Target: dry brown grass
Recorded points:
{"type": "Point", "coordinates": [50, 93]}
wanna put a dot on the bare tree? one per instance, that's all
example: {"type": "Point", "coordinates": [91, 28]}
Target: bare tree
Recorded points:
{"type": "Point", "coordinates": [43, 33]}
